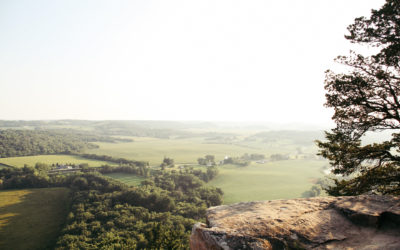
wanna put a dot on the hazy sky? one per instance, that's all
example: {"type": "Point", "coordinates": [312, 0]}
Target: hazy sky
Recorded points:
{"type": "Point", "coordinates": [171, 60]}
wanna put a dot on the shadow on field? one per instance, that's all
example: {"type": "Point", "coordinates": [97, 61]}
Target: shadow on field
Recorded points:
{"type": "Point", "coordinates": [32, 218]}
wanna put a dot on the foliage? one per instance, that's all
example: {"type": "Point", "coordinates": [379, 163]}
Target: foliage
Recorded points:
{"type": "Point", "coordinates": [106, 213]}
{"type": "Point", "coordinates": [253, 157]}
{"type": "Point", "coordinates": [129, 169]}
{"type": "Point", "coordinates": [167, 162]}
{"type": "Point", "coordinates": [366, 99]}
{"type": "Point", "coordinates": [239, 161]}
{"type": "Point", "coordinates": [315, 190]}
{"type": "Point", "coordinates": [23, 142]}
{"type": "Point", "coordinates": [279, 157]}
{"type": "Point", "coordinates": [208, 160]}
{"type": "Point", "coordinates": [30, 142]}
{"type": "Point", "coordinates": [113, 159]}
{"type": "Point", "coordinates": [147, 216]}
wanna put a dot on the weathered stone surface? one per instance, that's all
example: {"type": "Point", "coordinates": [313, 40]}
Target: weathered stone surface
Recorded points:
{"type": "Point", "coordinates": [355, 222]}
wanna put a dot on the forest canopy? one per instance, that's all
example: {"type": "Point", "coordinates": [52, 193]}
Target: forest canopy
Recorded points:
{"type": "Point", "coordinates": [32, 142]}
{"type": "Point", "coordinates": [107, 214]}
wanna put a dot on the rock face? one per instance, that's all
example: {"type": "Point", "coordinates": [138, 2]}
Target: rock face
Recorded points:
{"type": "Point", "coordinates": [353, 222]}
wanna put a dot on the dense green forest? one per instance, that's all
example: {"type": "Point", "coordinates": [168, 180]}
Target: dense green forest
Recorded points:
{"type": "Point", "coordinates": [106, 213]}
{"type": "Point", "coordinates": [36, 142]}
{"type": "Point", "coordinates": [29, 142]}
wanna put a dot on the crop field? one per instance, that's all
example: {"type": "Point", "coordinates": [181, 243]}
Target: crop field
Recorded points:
{"type": "Point", "coordinates": [32, 218]}
{"type": "Point", "coordinates": [272, 180]}
{"type": "Point", "coordinates": [129, 179]}
{"type": "Point", "coordinates": [50, 159]}
{"type": "Point", "coordinates": [182, 151]}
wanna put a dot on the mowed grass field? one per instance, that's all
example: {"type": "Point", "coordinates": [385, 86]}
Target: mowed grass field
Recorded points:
{"type": "Point", "coordinates": [129, 179]}
{"type": "Point", "coordinates": [272, 180]}
{"type": "Point", "coordinates": [32, 218]}
{"type": "Point", "coordinates": [182, 151]}
{"type": "Point", "coordinates": [51, 159]}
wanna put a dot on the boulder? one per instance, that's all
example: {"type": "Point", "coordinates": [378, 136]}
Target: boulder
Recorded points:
{"type": "Point", "coordinates": [352, 222]}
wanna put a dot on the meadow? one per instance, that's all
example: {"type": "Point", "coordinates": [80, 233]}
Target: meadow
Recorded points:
{"type": "Point", "coordinates": [50, 159]}
{"type": "Point", "coordinates": [36, 227]}
{"type": "Point", "coordinates": [129, 179]}
{"type": "Point", "coordinates": [183, 151]}
{"type": "Point", "coordinates": [272, 180]}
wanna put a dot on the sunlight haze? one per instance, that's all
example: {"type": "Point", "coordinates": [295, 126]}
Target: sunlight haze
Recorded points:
{"type": "Point", "coordinates": [171, 60]}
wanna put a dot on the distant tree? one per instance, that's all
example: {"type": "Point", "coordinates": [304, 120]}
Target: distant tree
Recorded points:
{"type": "Point", "coordinates": [201, 161]}
{"type": "Point", "coordinates": [208, 160]}
{"type": "Point", "coordinates": [279, 157]}
{"type": "Point", "coordinates": [42, 167]}
{"type": "Point", "coordinates": [367, 98]}
{"type": "Point", "coordinates": [237, 161]}
{"type": "Point", "coordinates": [211, 172]}
{"type": "Point", "coordinates": [168, 161]}
{"type": "Point", "coordinates": [256, 157]}
{"type": "Point", "coordinates": [253, 157]}
{"type": "Point", "coordinates": [313, 192]}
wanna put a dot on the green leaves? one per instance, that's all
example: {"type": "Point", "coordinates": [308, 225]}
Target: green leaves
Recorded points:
{"type": "Point", "coordinates": [366, 99]}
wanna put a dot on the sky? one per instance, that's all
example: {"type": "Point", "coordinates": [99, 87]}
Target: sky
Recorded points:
{"type": "Point", "coordinates": [171, 60]}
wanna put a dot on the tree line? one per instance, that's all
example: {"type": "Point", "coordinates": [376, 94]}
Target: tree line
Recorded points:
{"type": "Point", "coordinates": [31, 142]}
{"type": "Point", "coordinates": [113, 159]}
{"type": "Point", "coordinates": [38, 142]}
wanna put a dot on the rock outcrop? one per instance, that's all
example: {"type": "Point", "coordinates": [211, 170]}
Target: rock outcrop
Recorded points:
{"type": "Point", "coordinates": [353, 222]}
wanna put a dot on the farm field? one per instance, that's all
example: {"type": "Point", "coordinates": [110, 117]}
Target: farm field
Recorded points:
{"type": "Point", "coordinates": [32, 218]}
{"type": "Point", "coordinates": [50, 159]}
{"type": "Point", "coordinates": [272, 180]}
{"type": "Point", "coordinates": [269, 181]}
{"type": "Point", "coordinates": [129, 179]}
{"type": "Point", "coordinates": [183, 151]}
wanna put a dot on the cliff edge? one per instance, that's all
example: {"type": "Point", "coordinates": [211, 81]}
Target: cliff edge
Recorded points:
{"type": "Point", "coordinates": [352, 222]}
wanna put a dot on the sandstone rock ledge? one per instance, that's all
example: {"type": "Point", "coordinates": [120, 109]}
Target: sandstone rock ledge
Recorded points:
{"type": "Point", "coordinates": [353, 222]}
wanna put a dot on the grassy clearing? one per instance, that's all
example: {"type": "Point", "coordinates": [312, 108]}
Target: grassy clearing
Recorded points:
{"type": "Point", "coordinates": [50, 159]}
{"type": "Point", "coordinates": [182, 151]}
{"type": "Point", "coordinates": [32, 218]}
{"type": "Point", "coordinates": [269, 181]}
{"type": "Point", "coordinates": [129, 179]}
